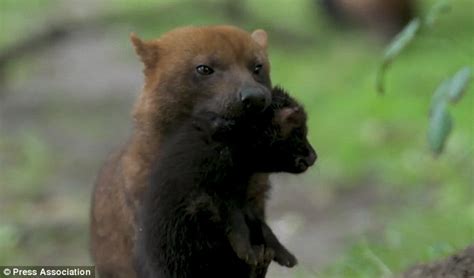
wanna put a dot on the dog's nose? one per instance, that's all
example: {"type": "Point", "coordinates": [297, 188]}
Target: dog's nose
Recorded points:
{"type": "Point", "coordinates": [255, 99]}
{"type": "Point", "coordinates": [311, 158]}
{"type": "Point", "coordinates": [306, 161]}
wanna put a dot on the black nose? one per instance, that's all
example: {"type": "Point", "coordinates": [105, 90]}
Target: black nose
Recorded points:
{"type": "Point", "coordinates": [255, 99]}
{"type": "Point", "coordinates": [304, 162]}
{"type": "Point", "coordinates": [311, 158]}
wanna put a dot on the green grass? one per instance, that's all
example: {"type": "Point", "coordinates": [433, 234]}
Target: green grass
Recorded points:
{"type": "Point", "coordinates": [359, 135]}
{"type": "Point", "coordinates": [415, 235]}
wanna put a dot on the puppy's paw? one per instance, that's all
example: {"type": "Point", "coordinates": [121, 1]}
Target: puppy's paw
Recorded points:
{"type": "Point", "coordinates": [246, 253]}
{"type": "Point", "coordinates": [285, 258]}
{"type": "Point", "coordinates": [264, 255]}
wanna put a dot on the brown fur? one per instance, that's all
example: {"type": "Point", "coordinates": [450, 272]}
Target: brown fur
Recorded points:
{"type": "Point", "coordinates": [167, 99]}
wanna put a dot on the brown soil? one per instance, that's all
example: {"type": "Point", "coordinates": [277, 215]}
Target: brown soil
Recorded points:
{"type": "Point", "coordinates": [459, 265]}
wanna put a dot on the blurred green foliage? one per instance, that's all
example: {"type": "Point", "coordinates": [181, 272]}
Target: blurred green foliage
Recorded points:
{"type": "Point", "coordinates": [450, 90]}
{"type": "Point", "coordinates": [361, 138]}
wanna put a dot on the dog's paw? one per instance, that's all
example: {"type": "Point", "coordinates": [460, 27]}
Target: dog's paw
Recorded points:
{"type": "Point", "coordinates": [285, 258]}
{"type": "Point", "coordinates": [246, 253]}
{"type": "Point", "coordinates": [264, 255]}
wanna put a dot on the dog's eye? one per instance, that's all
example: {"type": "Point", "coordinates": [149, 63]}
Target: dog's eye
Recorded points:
{"type": "Point", "coordinates": [257, 68]}
{"type": "Point", "coordinates": [204, 70]}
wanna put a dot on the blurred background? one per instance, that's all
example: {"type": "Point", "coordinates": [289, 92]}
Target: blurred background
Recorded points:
{"type": "Point", "coordinates": [376, 202]}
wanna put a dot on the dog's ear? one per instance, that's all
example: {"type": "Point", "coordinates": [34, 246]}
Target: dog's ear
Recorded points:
{"type": "Point", "coordinates": [147, 51]}
{"type": "Point", "coordinates": [261, 37]}
{"type": "Point", "coordinates": [288, 118]}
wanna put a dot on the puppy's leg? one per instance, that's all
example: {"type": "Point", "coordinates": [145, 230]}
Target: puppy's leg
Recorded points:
{"type": "Point", "coordinates": [282, 255]}
{"type": "Point", "coordinates": [264, 258]}
{"type": "Point", "coordinates": [239, 236]}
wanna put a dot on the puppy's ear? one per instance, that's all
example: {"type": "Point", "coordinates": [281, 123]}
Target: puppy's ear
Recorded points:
{"type": "Point", "coordinates": [147, 51]}
{"type": "Point", "coordinates": [288, 118]}
{"type": "Point", "coordinates": [261, 37]}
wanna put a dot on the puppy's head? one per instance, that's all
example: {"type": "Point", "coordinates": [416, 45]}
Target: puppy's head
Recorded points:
{"type": "Point", "coordinates": [293, 152]}
{"type": "Point", "coordinates": [285, 146]}
{"type": "Point", "coordinates": [223, 68]}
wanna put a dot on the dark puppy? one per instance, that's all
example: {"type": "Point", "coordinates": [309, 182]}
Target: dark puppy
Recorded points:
{"type": "Point", "coordinates": [197, 220]}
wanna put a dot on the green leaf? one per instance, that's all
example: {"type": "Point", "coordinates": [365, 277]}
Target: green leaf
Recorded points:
{"type": "Point", "coordinates": [401, 41]}
{"type": "Point", "coordinates": [440, 94]}
{"type": "Point", "coordinates": [442, 6]}
{"type": "Point", "coordinates": [439, 128]}
{"type": "Point", "coordinates": [459, 83]}
{"type": "Point", "coordinates": [398, 44]}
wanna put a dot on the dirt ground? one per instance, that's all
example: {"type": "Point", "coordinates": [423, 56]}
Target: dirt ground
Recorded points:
{"type": "Point", "coordinates": [460, 265]}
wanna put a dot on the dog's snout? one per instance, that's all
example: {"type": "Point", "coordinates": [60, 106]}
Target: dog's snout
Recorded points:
{"type": "Point", "coordinates": [304, 162]}
{"type": "Point", "coordinates": [311, 158]}
{"type": "Point", "coordinates": [255, 99]}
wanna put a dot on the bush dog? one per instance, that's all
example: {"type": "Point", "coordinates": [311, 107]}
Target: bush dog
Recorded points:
{"type": "Point", "coordinates": [222, 67]}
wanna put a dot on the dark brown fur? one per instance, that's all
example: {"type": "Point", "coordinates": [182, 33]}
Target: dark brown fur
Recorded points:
{"type": "Point", "coordinates": [197, 219]}
{"type": "Point", "coordinates": [167, 99]}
